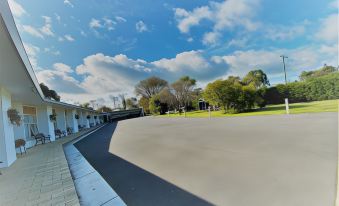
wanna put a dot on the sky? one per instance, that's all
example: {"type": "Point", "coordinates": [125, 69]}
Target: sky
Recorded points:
{"type": "Point", "coordinates": [91, 50]}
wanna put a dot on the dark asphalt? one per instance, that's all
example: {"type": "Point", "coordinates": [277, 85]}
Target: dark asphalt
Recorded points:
{"type": "Point", "coordinates": [133, 184]}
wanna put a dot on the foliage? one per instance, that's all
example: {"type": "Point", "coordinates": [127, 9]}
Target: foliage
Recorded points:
{"type": "Point", "coordinates": [144, 103]}
{"type": "Point", "coordinates": [104, 109]}
{"type": "Point", "coordinates": [14, 116]}
{"type": "Point", "coordinates": [306, 75]}
{"type": "Point", "coordinates": [50, 94]}
{"type": "Point", "coordinates": [123, 101]}
{"type": "Point", "coordinates": [150, 86]}
{"type": "Point", "coordinates": [131, 103]}
{"type": "Point", "coordinates": [256, 78]}
{"type": "Point", "coordinates": [52, 117]}
{"type": "Point", "coordinates": [313, 89]}
{"type": "Point", "coordinates": [154, 104]}
{"type": "Point", "coordinates": [86, 105]}
{"type": "Point", "coordinates": [182, 90]}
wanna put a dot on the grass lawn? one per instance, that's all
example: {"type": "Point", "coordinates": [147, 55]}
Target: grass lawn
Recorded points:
{"type": "Point", "coordinates": [296, 108]}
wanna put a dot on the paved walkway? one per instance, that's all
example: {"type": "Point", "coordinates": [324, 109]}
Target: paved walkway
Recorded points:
{"type": "Point", "coordinates": [41, 177]}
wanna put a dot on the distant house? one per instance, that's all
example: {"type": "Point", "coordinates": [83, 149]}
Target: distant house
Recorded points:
{"type": "Point", "coordinates": [203, 105]}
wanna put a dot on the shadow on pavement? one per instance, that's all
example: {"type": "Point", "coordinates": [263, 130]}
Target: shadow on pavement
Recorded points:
{"type": "Point", "coordinates": [133, 184]}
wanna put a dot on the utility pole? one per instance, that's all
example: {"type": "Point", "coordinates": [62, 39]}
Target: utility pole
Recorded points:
{"type": "Point", "coordinates": [286, 99]}
{"type": "Point", "coordinates": [283, 58]}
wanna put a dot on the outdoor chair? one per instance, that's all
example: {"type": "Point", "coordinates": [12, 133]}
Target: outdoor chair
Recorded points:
{"type": "Point", "coordinates": [39, 137]}
{"type": "Point", "coordinates": [59, 133]}
{"type": "Point", "coordinates": [19, 143]}
{"type": "Point", "coordinates": [69, 131]}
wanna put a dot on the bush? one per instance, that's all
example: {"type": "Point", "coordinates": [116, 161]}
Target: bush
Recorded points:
{"type": "Point", "coordinates": [314, 89]}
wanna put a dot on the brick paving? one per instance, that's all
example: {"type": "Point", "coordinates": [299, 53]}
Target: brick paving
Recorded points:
{"type": "Point", "coordinates": [40, 177]}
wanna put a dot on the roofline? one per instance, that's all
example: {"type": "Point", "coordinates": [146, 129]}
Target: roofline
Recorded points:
{"type": "Point", "coordinates": [8, 19]}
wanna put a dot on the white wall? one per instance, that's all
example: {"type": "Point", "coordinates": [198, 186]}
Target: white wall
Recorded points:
{"type": "Point", "coordinates": [7, 147]}
{"type": "Point", "coordinates": [19, 131]}
{"type": "Point", "coordinates": [72, 122]}
{"type": "Point", "coordinates": [45, 125]}
{"type": "Point", "coordinates": [61, 119]}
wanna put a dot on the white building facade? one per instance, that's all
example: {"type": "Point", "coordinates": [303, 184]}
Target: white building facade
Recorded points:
{"type": "Point", "coordinates": [20, 90]}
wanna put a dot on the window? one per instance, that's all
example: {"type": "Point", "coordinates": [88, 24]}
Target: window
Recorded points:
{"type": "Point", "coordinates": [30, 120]}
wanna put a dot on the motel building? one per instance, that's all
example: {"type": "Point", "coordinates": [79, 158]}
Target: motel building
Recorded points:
{"type": "Point", "coordinates": [20, 92]}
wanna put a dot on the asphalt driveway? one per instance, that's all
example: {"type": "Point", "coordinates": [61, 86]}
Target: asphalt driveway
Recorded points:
{"type": "Point", "coordinates": [263, 160]}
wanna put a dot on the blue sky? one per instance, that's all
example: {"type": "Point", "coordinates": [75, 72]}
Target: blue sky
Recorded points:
{"type": "Point", "coordinates": [89, 51]}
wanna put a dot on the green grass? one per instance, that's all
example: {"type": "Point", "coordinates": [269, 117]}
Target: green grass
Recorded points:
{"type": "Point", "coordinates": [296, 108]}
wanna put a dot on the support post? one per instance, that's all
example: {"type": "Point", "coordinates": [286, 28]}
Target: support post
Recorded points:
{"type": "Point", "coordinates": [287, 106]}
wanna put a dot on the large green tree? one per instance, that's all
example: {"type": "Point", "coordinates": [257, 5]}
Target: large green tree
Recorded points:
{"type": "Point", "coordinates": [257, 78]}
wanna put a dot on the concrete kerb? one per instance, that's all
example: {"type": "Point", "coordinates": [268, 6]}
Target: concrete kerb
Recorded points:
{"type": "Point", "coordinates": [91, 188]}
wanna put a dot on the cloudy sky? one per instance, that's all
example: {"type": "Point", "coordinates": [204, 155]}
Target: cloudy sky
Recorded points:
{"type": "Point", "coordinates": [90, 50]}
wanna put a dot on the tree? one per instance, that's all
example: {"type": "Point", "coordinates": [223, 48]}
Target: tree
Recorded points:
{"type": "Point", "coordinates": [306, 75]}
{"type": "Point", "coordinates": [166, 97]}
{"type": "Point", "coordinates": [50, 94]}
{"type": "Point", "coordinates": [257, 78]}
{"type": "Point", "coordinates": [131, 103]}
{"type": "Point", "coordinates": [114, 99]}
{"type": "Point", "coordinates": [123, 101]}
{"type": "Point", "coordinates": [104, 109]}
{"type": "Point", "coordinates": [183, 89]}
{"type": "Point", "coordinates": [150, 86]}
{"type": "Point", "coordinates": [144, 103]}
{"type": "Point", "coordinates": [86, 105]}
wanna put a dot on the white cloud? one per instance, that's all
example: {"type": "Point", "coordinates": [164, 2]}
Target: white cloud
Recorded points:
{"type": "Point", "coordinates": [68, 37]}
{"type": "Point", "coordinates": [32, 31]}
{"type": "Point", "coordinates": [47, 28]}
{"type": "Point", "coordinates": [187, 19]}
{"type": "Point", "coordinates": [32, 53]}
{"type": "Point", "coordinates": [211, 38]}
{"type": "Point", "coordinates": [190, 39]}
{"type": "Point", "coordinates": [95, 23]}
{"type": "Point", "coordinates": [299, 59]}
{"type": "Point", "coordinates": [285, 32]}
{"type": "Point", "coordinates": [224, 16]}
{"type": "Point", "coordinates": [83, 33]}
{"type": "Point", "coordinates": [42, 32]}
{"type": "Point", "coordinates": [57, 17]}
{"type": "Point", "coordinates": [140, 26]}
{"type": "Point", "coordinates": [120, 19]}
{"type": "Point", "coordinates": [16, 8]}
{"type": "Point", "coordinates": [334, 4]}
{"type": "Point", "coordinates": [328, 29]}
{"type": "Point", "coordinates": [62, 68]}
{"type": "Point", "coordinates": [191, 60]}
{"type": "Point", "coordinates": [109, 23]}
{"type": "Point", "coordinates": [68, 3]}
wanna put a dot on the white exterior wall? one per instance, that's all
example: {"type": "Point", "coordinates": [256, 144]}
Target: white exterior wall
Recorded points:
{"type": "Point", "coordinates": [7, 147]}
{"type": "Point", "coordinates": [45, 125]}
{"type": "Point", "coordinates": [86, 121]}
{"type": "Point", "coordinates": [19, 131]}
{"type": "Point", "coordinates": [73, 123]}
{"type": "Point", "coordinates": [61, 119]}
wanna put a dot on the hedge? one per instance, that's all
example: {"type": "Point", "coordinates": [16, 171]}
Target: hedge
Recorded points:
{"type": "Point", "coordinates": [314, 89]}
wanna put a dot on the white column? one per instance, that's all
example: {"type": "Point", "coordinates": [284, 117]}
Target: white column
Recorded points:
{"type": "Point", "coordinates": [61, 119]}
{"type": "Point", "coordinates": [86, 121]}
{"type": "Point", "coordinates": [45, 125]}
{"type": "Point", "coordinates": [7, 147]}
{"type": "Point", "coordinates": [73, 123]}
